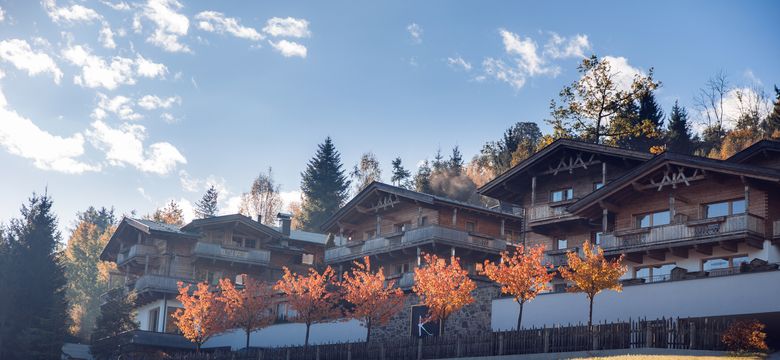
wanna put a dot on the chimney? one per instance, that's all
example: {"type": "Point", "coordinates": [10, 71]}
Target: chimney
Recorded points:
{"type": "Point", "coordinates": [260, 218]}
{"type": "Point", "coordinates": [285, 219]}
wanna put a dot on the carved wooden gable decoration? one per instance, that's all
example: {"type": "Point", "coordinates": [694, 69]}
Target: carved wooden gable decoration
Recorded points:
{"type": "Point", "coordinates": [571, 161]}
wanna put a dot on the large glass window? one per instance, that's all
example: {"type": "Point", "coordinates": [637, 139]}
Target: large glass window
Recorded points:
{"type": "Point", "coordinates": [596, 238]}
{"type": "Point", "coordinates": [654, 272]}
{"type": "Point", "coordinates": [657, 218]}
{"type": "Point", "coordinates": [716, 263]}
{"type": "Point", "coordinates": [724, 208]}
{"type": "Point", "coordinates": [562, 195]}
{"type": "Point", "coordinates": [563, 244]}
{"type": "Point", "coordinates": [471, 226]}
{"type": "Point", "coordinates": [154, 318]}
{"type": "Point", "coordinates": [170, 322]}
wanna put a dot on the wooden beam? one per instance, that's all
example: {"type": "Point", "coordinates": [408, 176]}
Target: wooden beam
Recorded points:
{"type": "Point", "coordinates": [658, 254]}
{"type": "Point", "coordinates": [730, 245]}
{"type": "Point", "coordinates": [609, 206]}
{"type": "Point", "coordinates": [705, 249]}
{"type": "Point", "coordinates": [634, 257]}
{"type": "Point", "coordinates": [681, 252]}
{"type": "Point", "coordinates": [755, 243]}
{"type": "Point", "coordinates": [683, 199]}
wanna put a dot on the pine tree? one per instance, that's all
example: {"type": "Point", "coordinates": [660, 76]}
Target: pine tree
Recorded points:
{"type": "Point", "coordinates": [438, 164]}
{"type": "Point", "coordinates": [679, 138]}
{"type": "Point", "coordinates": [772, 121]}
{"type": "Point", "coordinates": [422, 179]}
{"type": "Point", "coordinates": [207, 206]}
{"type": "Point", "coordinates": [37, 321]}
{"type": "Point", "coordinates": [103, 218]}
{"type": "Point", "coordinates": [116, 316]}
{"type": "Point", "coordinates": [324, 185]}
{"type": "Point", "coordinates": [651, 121]}
{"type": "Point", "coordinates": [400, 175]}
{"type": "Point", "coordinates": [456, 161]}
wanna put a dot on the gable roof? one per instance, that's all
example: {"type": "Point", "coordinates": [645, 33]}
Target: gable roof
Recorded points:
{"type": "Point", "coordinates": [548, 150]}
{"type": "Point", "coordinates": [668, 158]}
{"type": "Point", "coordinates": [757, 148]}
{"type": "Point", "coordinates": [148, 227]}
{"type": "Point", "coordinates": [239, 218]}
{"type": "Point", "coordinates": [412, 195]}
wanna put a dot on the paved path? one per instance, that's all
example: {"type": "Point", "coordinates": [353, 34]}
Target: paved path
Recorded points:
{"type": "Point", "coordinates": [602, 353]}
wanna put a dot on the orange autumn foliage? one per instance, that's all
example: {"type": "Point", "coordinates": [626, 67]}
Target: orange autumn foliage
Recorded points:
{"type": "Point", "coordinates": [310, 296]}
{"type": "Point", "coordinates": [745, 335]}
{"type": "Point", "coordinates": [592, 274]}
{"type": "Point", "coordinates": [375, 300]}
{"type": "Point", "coordinates": [249, 308]}
{"type": "Point", "coordinates": [521, 275]}
{"type": "Point", "coordinates": [202, 315]}
{"type": "Point", "coordinates": [443, 288]}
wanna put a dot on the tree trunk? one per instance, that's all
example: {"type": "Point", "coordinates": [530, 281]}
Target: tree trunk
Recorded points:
{"type": "Point", "coordinates": [368, 330]}
{"type": "Point", "coordinates": [590, 313]}
{"type": "Point", "coordinates": [441, 326]}
{"type": "Point", "coordinates": [248, 332]}
{"type": "Point", "coordinates": [520, 315]}
{"type": "Point", "coordinates": [306, 342]}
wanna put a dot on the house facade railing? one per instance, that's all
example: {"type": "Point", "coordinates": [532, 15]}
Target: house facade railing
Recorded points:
{"type": "Point", "coordinates": [410, 237]}
{"type": "Point", "coordinates": [548, 212]}
{"type": "Point", "coordinates": [134, 251]}
{"type": "Point", "coordinates": [558, 258]}
{"type": "Point", "coordinates": [218, 252]}
{"type": "Point", "coordinates": [159, 283]}
{"type": "Point", "coordinates": [691, 230]}
{"type": "Point", "coordinates": [776, 229]}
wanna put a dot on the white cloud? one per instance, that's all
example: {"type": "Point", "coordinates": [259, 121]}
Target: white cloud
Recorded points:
{"type": "Point", "coordinates": [21, 137]}
{"type": "Point", "coordinates": [125, 146]}
{"type": "Point", "coordinates": [69, 14]}
{"type": "Point", "coordinates": [119, 6]}
{"type": "Point", "coordinates": [151, 102]}
{"type": "Point", "coordinates": [98, 72]}
{"type": "Point", "coordinates": [106, 37]}
{"type": "Point", "coordinates": [289, 197]}
{"type": "Point", "coordinates": [287, 27]}
{"type": "Point", "coordinates": [188, 183]}
{"type": "Point", "coordinates": [559, 47]}
{"type": "Point", "coordinates": [144, 194]}
{"type": "Point", "coordinates": [622, 72]}
{"type": "Point", "coordinates": [459, 63]}
{"type": "Point", "coordinates": [289, 48]}
{"type": "Point", "coordinates": [213, 21]}
{"type": "Point", "coordinates": [232, 205]}
{"type": "Point", "coordinates": [119, 105]}
{"type": "Point", "coordinates": [20, 55]}
{"type": "Point", "coordinates": [501, 71]}
{"type": "Point", "coordinates": [191, 184]}
{"type": "Point", "coordinates": [169, 24]}
{"type": "Point", "coordinates": [416, 32]}
{"type": "Point", "coordinates": [528, 60]}
{"type": "Point", "coordinates": [169, 118]}
{"type": "Point", "coordinates": [2, 14]}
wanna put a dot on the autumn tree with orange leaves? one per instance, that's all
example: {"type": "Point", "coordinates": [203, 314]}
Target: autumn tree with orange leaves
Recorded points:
{"type": "Point", "coordinates": [443, 288]}
{"type": "Point", "coordinates": [522, 275]}
{"type": "Point", "coordinates": [248, 308]}
{"type": "Point", "coordinates": [592, 274]}
{"type": "Point", "coordinates": [310, 296]}
{"type": "Point", "coordinates": [202, 315]}
{"type": "Point", "coordinates": [375, 300]}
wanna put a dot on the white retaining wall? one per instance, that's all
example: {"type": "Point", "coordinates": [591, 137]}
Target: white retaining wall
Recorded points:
{"type": "Point", "coordinates": [292, 334]}
{"type": "Point", "coordinates": [748, 293]}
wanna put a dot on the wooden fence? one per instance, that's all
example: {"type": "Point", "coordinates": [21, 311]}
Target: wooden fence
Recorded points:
{"type": "Point", "coordinates": [700, 333]}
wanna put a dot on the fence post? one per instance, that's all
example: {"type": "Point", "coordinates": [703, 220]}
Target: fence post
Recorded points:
{"type": "Point", "coordinates": [260, 354]}
{"type": "Point", "coordinates": [501, 344]}
{"type": "Point", "coordinates": [594, 338]}
{"type": "Point", "coordinates": [349, 351]}
{"type": "Point", "coordinates": [317, 352]}
{"type": "Point", "coordinates": [546, 338]}
{"type": "Point", "coordinates": [381, 351]}
{"type": "Point", "coordinates": [419, 349]}
{"type": "Point", "coordinates": [648, 335]}
{"type": "Point", "coordinates": [457, 349]}
{"type": "Point", "coordinates": [288, 354]}
{"type": "Point", "coordinates": [692, 335]}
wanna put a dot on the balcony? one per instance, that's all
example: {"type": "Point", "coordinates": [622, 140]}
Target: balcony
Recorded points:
{"type": "Point", "coordinates": [157, 283]}
{"type": "Point", "coordinates": [404, 281]}
{"type": "Point", "coordinates": [557, 258]}
{"type": "Point", "coordinates": [776, 229]}
{"type": "Point", "coordinates": [135, 252]}
{"type": "Point", "coordinates": [550, 212]}
{"type": "Point", "coordinates": [218, 252]}
{"type": "Point", "coordinates": [721, 228]}
{"type": "Point", "coordinates": [414, 237]}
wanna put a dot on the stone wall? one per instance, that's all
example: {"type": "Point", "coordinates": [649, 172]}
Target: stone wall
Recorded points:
{"type": "Point", "coordinates": [471, 319]}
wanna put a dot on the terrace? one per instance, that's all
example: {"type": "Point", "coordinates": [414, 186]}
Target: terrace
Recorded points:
{"type": "Point", "coordinates": [231, 254]}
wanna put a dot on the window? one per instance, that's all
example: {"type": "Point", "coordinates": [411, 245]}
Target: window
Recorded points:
{"type": "Point", "coordinates": [471, 226]}
{"type": "Point", "coordinates": [595, 238]}
{"type": "Point", "coordinates": [154, 318]}
{"type": "Point", "coordinates": [559, 288]}
{"type": "Point", "coordinates": [653, 219]}
{"type": "Point", "coordinates": [238, 241]}
{"type": "Point", "coordinates": [563, 244]}
{"type": "Point", "coordinates": [370, 234]}
{"type": "Point", "coordinates": [401, 227]}
{"type": "Point", "coordinates": [654, 272]}
{"type": "Point", "coordinates": [170, 322]}
{"type": "Point", "coordinates": [423, 221]}
{"type": "Point", "coordinates": [597, 185]}
{"type": "Point", "coordinates": [724, 262]}
{"type": "Point", "coordinates": [307, 259]}
{"type": "Point", "coordinates": [724, 208]}
{"type": "Point", "coordinates": [250, 243]}
{"type": "Point", "coordinates": [282, 311]}
{"type": "Point", "coordinates": [562, 195]}
{"type": "Point", "coordinates": [402, 268]}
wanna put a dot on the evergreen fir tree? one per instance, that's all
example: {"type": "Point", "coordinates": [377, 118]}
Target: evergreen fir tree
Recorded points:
{"type": "Point", "coordinates": [651, 121]}
{"type": "Point", "coordinates": [103, 218]}
{"type": "Point", "coordinates": [207, 206]}
{"type": "Point", "coordinates": [422, 179]}
{"type": "Point", "coordinates": [439, 164]}
{"type": "Point", "coordinates": [324, 185]}
{"type": "Point", "coordinates": [456, 161]}
{"type": "Point", "coordinates": [37, 321]}
{"type": "Point", "coordinates": [400, 175]}
{"type": "Point", "coordinates": [772, 121]}
{"type": "Point", "coordinates": [116, 316]}
{"type": "Point", "coordinates": [679, 138]}
{"type": "Point", "coordinates": [624, 126]}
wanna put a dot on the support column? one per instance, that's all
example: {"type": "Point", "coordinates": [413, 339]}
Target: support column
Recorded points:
{"type": "Point", "coordinates": [419, 261]}
{"type": "Point", "coordinates": [747, 198]}
{"type": "Point", "coordinates": [604, 220]}
{"type": "Point", "coordinates": [455, 217]}
{"type": "Point", "coordinates": [503, 230]}
{"type": "Point", "coordinates": [419, 216]}
{"type": "Point", "coordinates": [452, 251]}
{"type": "Point", "coordinates": [603, 174]}
{"type": "Point", "coordinates": [378, 225]}
{"type": "Point", "coordinates": [533, 191]}
{"type": "Point", "coordinates": [672, 211]}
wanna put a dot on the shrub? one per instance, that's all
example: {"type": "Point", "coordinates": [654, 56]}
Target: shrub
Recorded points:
{"type": "Point", "coordinates": [744, 336]}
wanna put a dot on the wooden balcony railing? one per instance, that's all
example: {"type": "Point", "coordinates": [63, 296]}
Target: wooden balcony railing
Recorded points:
{"type": "Point", "coordinates": [776, 229]}
{"type": "Point", "coordinates": [356, 249]}
{"type": "Point", "coordinates": [218, 252]}
{"type": "Point", "coordinates": [135, 251]}
{"type": "Point", "coordinates": [557, 258]}
{"type": "Point", "coordinates": [159, 283]}
{"type": "Point", "coordinates": [692, 230]}
{"type": "Point", "coordinates": [548, 212]}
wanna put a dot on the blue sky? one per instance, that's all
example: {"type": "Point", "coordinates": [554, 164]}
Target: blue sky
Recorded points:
{"type": "Point", "coordinates": [132, 103]}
